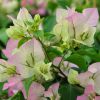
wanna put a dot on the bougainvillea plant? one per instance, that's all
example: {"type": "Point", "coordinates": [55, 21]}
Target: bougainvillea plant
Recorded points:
{"type": "Point", "coordinates": [48, 65]}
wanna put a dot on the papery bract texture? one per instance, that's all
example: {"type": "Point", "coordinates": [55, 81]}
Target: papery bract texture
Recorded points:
{"type": "Point", "coordinates": [36, 91]}
{"type": "Point", "coordinates": [92, 76]}
{"type": "Point", "coordinates": [52, 92]}
{"type": "Point", "coordinates": [7, 70]}
{"type": "Point", "coordinates": [28, 54]}
{"type": "Point", "coordinates": [14, 85]}
{"type": "Point", "coordinates": [65, 66]}
{"type": "Point", "coordinates": [89, 93]}
{"type": "Point", "coordinates": [80, 27]}
{"type": "Point", "coordinates": [11, 45]}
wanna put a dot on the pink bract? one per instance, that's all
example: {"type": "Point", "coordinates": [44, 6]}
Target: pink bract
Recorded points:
{"type": "Point", "coordinates": [14, 85]}
{"type": "Point", "coordinates": [89, 16]}
{"type": "Point", "coordinates": [29, 51]}
{"type": "Point", "coordinates": [93, 68]}
{"type": "Point", "coordinates": [57, 61]}
{"type": "Point", "coordinates": [11, 45]}
{"type": "Point", "coordinates": [36, 91]}
{"type": "Point", "coordinates": [53, 91]}
{"type": "Point", "coordinates": [88, 91]}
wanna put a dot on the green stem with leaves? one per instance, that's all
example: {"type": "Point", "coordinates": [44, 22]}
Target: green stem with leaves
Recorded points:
{"type": "Point", "coordinates": [56, 67]}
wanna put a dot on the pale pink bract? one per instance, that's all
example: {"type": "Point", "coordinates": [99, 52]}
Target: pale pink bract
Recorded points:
{"type": "Point", "coordinates": [89, 90]}
{"type": "Point", "coordinates": [11, 45]}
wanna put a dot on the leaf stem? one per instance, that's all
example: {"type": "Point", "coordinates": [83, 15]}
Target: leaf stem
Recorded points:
{"type": "Point", "coordinates": [44, 50]}
{"type": "Point", "coordinates": [59, 70]}
{"type": "Point", "coordinates": [57, 67]}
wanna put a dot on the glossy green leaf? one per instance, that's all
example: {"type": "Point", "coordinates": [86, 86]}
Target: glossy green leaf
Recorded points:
{"type": "Point", "coordinates": [49, 23]}
{"type": "Point", "coordinates": [3, 36]}
{"type": "Point", "coordinates": [70, 92]}
{"type": "Point", "coordinates": [27, 83]}
{"type": "Point", "coordinates": [53, 52]}
{"type": "Point", "coordinates": [78, 60]}
{"type": "Point", "coordinates": [18, 96]}
{"type": "Point", "coordinates": [22, 41]}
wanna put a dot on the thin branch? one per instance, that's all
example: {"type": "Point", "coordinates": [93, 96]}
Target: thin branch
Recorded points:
{"type": "Point", "coordinates": [44, 50]}
{"type": "Point", "coordinates": [59, 70]}
{"type": "Point", "coordinates": [57, 67]}
{"type": "Point", "coordinates": [62, 58]}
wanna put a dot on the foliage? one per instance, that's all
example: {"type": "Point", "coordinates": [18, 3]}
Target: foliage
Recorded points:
{"type": "Point", "coordinates": [51, 50]}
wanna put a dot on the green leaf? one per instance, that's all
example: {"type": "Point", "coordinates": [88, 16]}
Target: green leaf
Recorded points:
{"type": "Point", "coordinates": [53, 52]}
{"type": "Point", "coordinates": [1, 86]}
{"type": "Point", "coordinates": [3, 19]}
{"type": "Point", "coordinates": [48, 36]}
{"type": "Point", "coordinates": [3, 36]}
{"type": "Point", "coordinates": [3, 93]}
{"type": "Point", "coordinates": [78, 60]}
{"type": "Point", "coordinates": [70, 92]}
{"type": "Point", "coordinates": [39, 34]}
{"type": "Point", "coordinates": [92, 53]}
{"type": "Point", "coordinates": [64, 3]}
{"type": "Point", "coordinates": [88, 59]}
{"type": "Point", "coordinates": [49, 23]}
{"type": "Point", "coordinates": [27, 82]}
{"type": "Point", "coordinates": [52, 6]}
{"type": "Point", "coordinates": [45, 37]}
{"type": "Point", "coordinates": [97, 38]}
{"type": "Point", "coordinates": [18, 96]}
{"type": "Point", "coordinates": [22, 41]}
